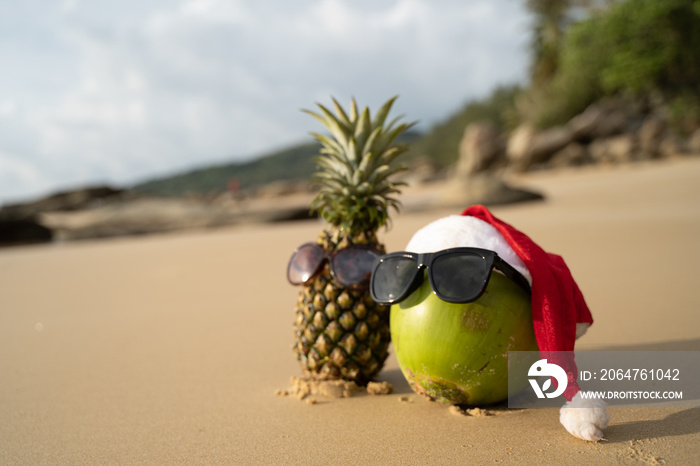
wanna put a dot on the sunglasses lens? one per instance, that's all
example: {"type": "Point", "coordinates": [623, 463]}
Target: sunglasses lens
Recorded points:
{"type": "Point", "coordinates": [305, 263]}
{"type": "Point", "coordinates": [353, 266]}
{"type": "Point", "coordinates": [392, 277]}
{"type": "Point", "coordinates": [460, 277]}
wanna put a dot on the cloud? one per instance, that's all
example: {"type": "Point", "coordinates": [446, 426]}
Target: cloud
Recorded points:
{"type": "Point", "coordinates": [121, 91]}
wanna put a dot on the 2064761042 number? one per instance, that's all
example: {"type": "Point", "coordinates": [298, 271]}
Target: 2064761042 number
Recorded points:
{"type": "Point", "coordinates": [639, 374]}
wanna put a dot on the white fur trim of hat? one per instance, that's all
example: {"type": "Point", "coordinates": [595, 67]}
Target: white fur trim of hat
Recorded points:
{"type": "Point", "coordinates": [458, 231]}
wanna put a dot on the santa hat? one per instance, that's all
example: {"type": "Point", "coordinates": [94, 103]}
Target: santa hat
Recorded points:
{"type": "Point", "coordinates": [559, 312]}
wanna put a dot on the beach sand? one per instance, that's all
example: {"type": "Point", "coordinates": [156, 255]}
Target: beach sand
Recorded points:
{"type": "Point", "coordinates": [168, 349]}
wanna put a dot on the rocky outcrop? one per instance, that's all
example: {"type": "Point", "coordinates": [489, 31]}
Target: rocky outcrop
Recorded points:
{"type": "Point", "coordinates": [614, 149]}
{"type": "Point", "coordinates": [483, 188]}
{"type": "Point", "coordinates": [482, 153]}
{"type": "Point", "coordinates": [159, 215]}
{"type": "Point", "coordinates": [610, 132]}
{"type": "Point", "coordinates": [613, 131]}
{"type": "Point", "coordinates": [63, 201]}
{"type": "Point", "coordinates": [480, 149]}
{"type": "Point", "coordinates": [22, 223]}
{"type": "Point", "coordinates": [603, 119]}
{"type": "Point", "coordinates": [528, 147]}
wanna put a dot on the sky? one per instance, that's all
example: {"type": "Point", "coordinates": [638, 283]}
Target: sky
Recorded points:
{"type": "Point", "coordinates": [118, 92]}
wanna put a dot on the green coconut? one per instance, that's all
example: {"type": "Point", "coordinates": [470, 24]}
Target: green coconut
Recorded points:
{"type": "Point", "coordinates": [458, 353]}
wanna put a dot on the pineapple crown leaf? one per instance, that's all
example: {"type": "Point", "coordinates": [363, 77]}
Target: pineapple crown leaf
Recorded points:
{"type": "Point", "coordinates": [353, 109]}
{"type": "Point", "coordinates": [332, 171]}
{"type": "Point", "coordinates": [370, 142]}
{"type": "Point", "coordinates": [355, 165]}
{"type": "Point", "coordinates": [390, 134]}
{"type": "Point", "coordinates": [383, 112]}
{"type": "Point", "coordinates": [329, 145]}
{"type": "Point", "coordinates": [339, 132]}
{"type": "Point", "coordinates": [342, 116]}
{"type": "Point", "coordinates": [363, 130]}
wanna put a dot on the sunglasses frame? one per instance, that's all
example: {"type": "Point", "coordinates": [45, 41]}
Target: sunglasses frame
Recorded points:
{"type": "Point", "coordinates": [426, 260]}
{"type": "Point", "coordinates": [329, 258]}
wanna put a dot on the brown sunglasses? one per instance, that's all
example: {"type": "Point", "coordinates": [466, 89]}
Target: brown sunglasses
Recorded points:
{"type": "Point", "coordinates": [351, 266]}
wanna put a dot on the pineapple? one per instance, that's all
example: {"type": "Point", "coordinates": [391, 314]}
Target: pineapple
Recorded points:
{"type": "Point", "coordinates": [342, 333]}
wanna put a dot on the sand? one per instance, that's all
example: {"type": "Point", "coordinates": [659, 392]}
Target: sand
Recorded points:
{"type": "Point", "coordinates": [169, 349]}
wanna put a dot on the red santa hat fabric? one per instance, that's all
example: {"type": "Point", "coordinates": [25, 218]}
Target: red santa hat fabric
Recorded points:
{"type": "Point", "coordinates": [557, 302]}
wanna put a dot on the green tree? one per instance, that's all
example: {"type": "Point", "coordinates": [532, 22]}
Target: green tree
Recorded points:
{"type": "Point", "coordinates": [549, 20]}
{"type": "Point", "coordinates": [633, 48]}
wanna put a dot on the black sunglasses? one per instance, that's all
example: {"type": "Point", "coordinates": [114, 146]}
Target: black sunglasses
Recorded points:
{"type": "Point", "coordinates": [350, 266]}
{"type": "Point", "coordinates": [457, 275]}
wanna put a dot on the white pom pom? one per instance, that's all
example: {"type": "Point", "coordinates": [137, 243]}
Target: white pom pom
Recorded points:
{"type": "Point", "coordinates": [465, 231]}
{"type": "Point", "coordinates": [585, 418]}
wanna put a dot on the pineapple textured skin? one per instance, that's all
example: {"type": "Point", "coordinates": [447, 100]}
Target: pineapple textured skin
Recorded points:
{"type": "Point", "coordinates": [340, 333]}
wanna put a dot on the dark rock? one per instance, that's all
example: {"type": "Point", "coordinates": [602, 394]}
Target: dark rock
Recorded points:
{"type": "Point", "coordinates": [484, 189]}
{"type": "Point", "coordinates": [63, 201]}
{"type": "Point", "coordinates": [573, 155]}
{"type": "Point", "coordinates": [23, 231]}
{"type": "Point", "coordinates": [301, 213]}
{"type": "Point", "coordinates": [136, 217]}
